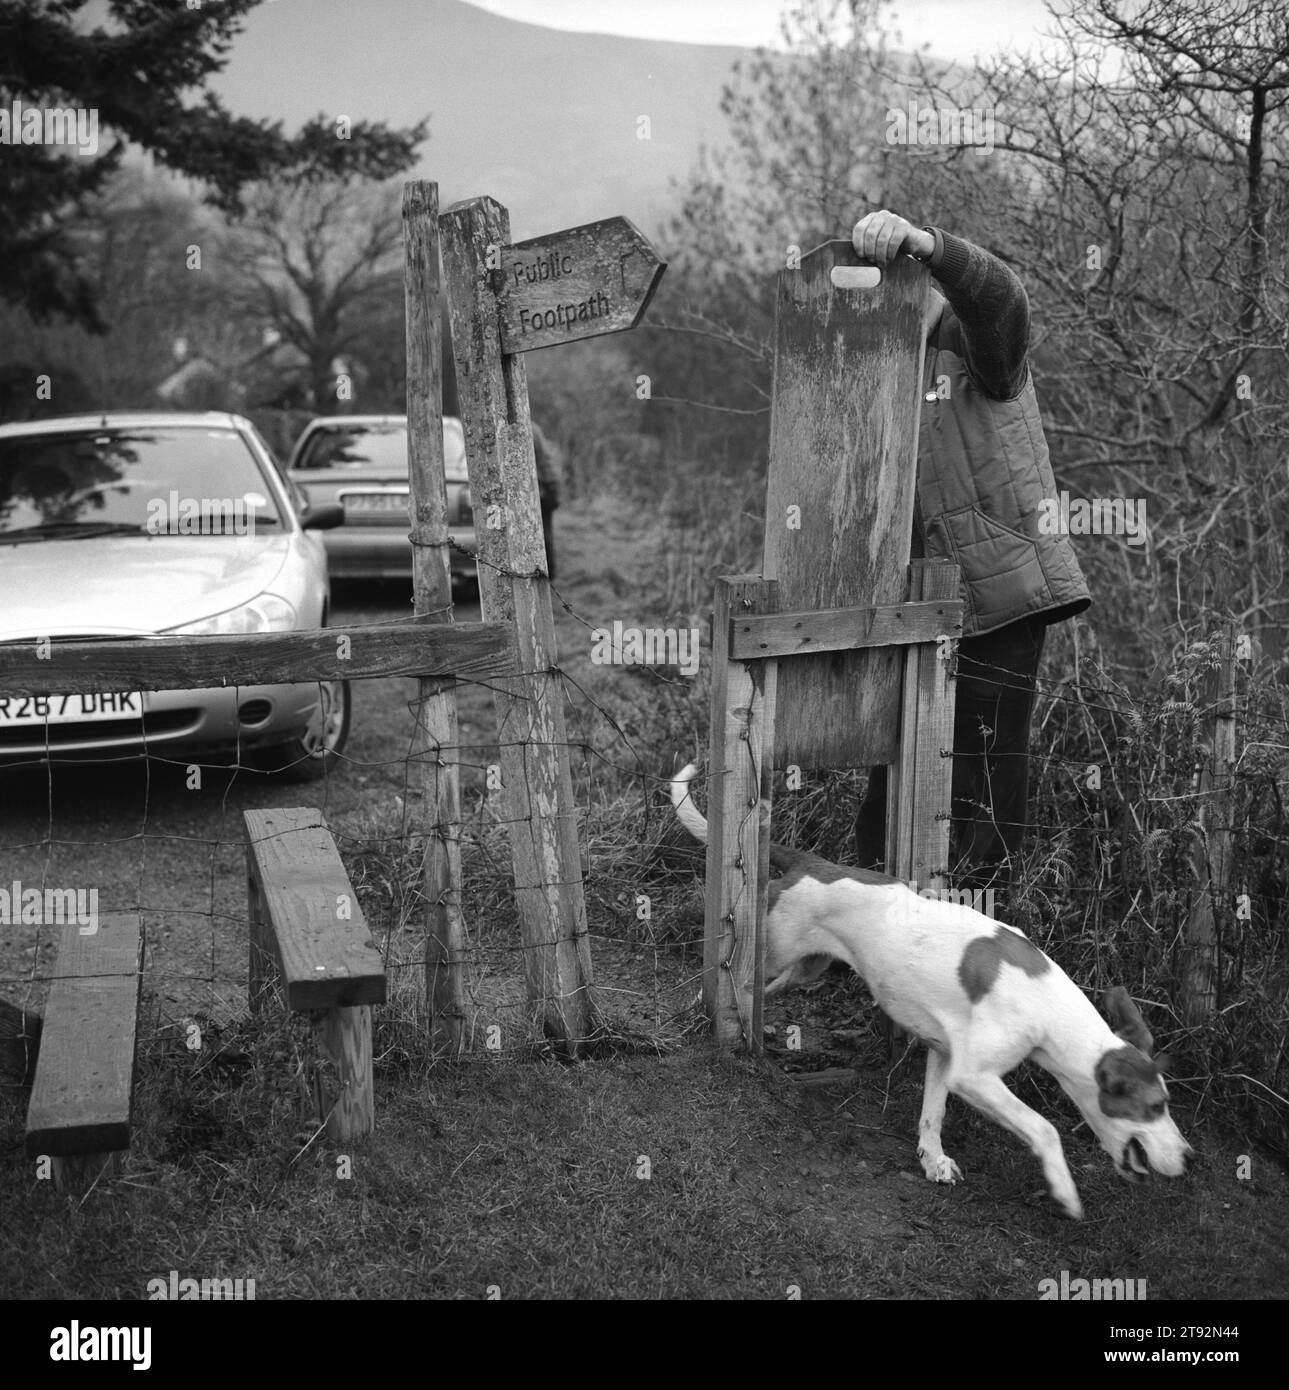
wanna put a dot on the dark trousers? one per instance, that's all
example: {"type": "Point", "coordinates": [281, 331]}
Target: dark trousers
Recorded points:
{"type": "Point", "coordinates": [995, 698]}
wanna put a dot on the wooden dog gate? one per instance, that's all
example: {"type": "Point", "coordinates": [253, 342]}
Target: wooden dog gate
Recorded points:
{"type": "Point", "coordinates": [839, 652]}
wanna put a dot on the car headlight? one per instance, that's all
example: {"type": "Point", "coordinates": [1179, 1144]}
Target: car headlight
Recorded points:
{"type": "Point", "coordinates": [267, 613]}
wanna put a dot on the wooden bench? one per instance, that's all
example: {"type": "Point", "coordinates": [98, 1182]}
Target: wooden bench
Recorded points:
{"type": "Point", "coordinates": [79, 1113]}
{"type": "Point", "coordinates": [306, 922]}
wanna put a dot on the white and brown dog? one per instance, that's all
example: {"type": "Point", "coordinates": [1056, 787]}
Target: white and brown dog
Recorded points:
{"type": "Point", "coordinates": [983, 998]}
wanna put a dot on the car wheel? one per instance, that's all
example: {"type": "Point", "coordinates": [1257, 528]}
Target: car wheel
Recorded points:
{"type": "Point", "coordinates": [314, 753]}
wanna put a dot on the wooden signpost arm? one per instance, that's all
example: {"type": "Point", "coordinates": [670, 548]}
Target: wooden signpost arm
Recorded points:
{"type": "Point", "coordinates": [578, 283]}
{"type": "Point", "coordinates": [434, 749]}
{"type": "Point", "coordinates": [536, 779]}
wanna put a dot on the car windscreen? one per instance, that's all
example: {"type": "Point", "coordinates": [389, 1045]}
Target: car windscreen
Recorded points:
{"type": "Point", "coordinates": [376, 448]}
{"type": "Point", "coordinates": [161, 480]}
{"type": "Point", "coordinates": [365, 447]}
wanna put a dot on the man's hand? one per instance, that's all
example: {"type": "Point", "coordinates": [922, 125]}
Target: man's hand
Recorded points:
{"type": "Point", "coordinates": [881, 236]}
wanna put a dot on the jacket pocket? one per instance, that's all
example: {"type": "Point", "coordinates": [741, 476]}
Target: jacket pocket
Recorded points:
{"type": "Point", "coordinates": [999, 565]}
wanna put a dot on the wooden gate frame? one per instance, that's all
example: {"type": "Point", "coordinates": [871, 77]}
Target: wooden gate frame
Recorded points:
{"type": "Point", "coordinates": [757, 627]}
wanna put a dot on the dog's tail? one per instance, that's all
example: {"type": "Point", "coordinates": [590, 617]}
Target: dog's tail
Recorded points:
{"type": "Point", "coordinates": [688, 814]}
{"type": "Point", "coordinates": [781, 857]}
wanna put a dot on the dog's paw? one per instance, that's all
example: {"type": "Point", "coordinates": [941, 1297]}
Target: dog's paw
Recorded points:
{"type": "Point", "coordinates": [940, 1168]}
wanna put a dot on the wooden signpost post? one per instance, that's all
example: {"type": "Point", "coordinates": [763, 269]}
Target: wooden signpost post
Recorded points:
{"type": "Point", "coordinates": [834, 655]}
{"type": "Point", "coordinates": [505, 300]}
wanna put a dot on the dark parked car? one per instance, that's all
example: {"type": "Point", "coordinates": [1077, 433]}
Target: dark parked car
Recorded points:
{"type": "Point", "coordinates": [360, 461]}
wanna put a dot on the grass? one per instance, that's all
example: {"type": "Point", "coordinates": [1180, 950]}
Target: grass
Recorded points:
{"type": "Point", "coordinates": [671, 1174]}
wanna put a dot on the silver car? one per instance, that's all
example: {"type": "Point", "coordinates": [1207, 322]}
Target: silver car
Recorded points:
{"type": "Point", "coordinates": [127, 525]}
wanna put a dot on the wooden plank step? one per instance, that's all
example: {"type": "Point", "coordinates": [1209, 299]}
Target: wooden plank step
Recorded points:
{"type": "Point", "coordinates": [326, 960]}
{"type": "Point", "coordinates": [80, 1101]}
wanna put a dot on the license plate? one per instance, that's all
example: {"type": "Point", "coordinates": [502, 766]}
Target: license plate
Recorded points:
{"type": "Point", "coordinates": [394, 502]}
{"type": "Point", "coordinates": [67, 709]}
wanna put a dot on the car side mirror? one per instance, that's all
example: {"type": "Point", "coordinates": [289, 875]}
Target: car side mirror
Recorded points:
{"type": "Point", "coordinates": [323, 518]}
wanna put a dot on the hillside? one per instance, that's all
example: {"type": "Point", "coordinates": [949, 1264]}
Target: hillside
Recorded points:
{"type": "Point", "coordinates": [543, 120]}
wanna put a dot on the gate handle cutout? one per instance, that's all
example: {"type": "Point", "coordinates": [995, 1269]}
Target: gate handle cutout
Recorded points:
{"type": "Point", "coordinates": [855, 277]}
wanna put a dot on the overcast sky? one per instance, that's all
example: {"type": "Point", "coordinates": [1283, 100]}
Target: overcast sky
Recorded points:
{"type": "Point", "coordinates": [956, 29]}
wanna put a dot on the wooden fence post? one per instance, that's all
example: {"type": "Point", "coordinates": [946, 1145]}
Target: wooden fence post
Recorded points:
{"type": "Point", "coordinates": [536, 779]}
{"type": "Point", "coordinates": [920, 788]}
{"type": "Point", "coordinates": [435, 748]}
{"type": "Point", "coordinates": [1211, 852]}
{"type": "Point", "coordinates": [740, 768]}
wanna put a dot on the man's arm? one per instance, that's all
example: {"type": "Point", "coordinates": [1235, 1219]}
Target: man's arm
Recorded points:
{"type": "Point", "coordinates": [987, 296]}
{"type": "Point", "coordinates": [993, 308]}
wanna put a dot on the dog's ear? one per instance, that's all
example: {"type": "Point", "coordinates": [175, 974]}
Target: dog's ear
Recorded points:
{"type": "Point", "coordinates": [809, 968]}
{"type": "Point", "coordinates": [1126, 1020]}
{"type": "Point", "coordinates": [800, 972]}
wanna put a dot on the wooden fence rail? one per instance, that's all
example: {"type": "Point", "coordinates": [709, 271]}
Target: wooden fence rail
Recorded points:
{"type": "Point", "coordinates": [53, 667]}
